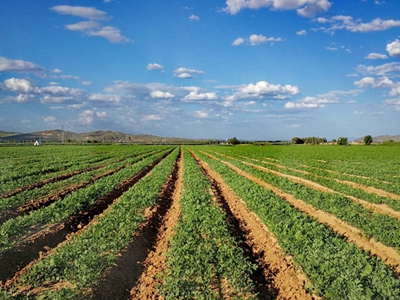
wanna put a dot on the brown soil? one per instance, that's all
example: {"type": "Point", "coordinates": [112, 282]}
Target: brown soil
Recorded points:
{"type": "Point", "coordinates": [352, 234]}
{"type": "Point", "coordinates": [276, 276]}
{"type": "Point", "coordinates": [370, 189]}
{"type": "Point", "coordinates": [155, 264]}
{"type": "Point", "coordinates": [17, 260]}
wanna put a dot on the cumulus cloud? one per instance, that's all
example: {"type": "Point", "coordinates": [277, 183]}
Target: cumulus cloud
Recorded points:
{"type": "Point", "coordinates": [49, 120]}
{"type": "Point", "coordinates": [301, 32]}
{"type": "Point", "coordinates": [185, 70]}
{"type": "Point", "coordinates": [394, 48]}
{"type": "Point", "coordinates": [305, 8]}
{"type": "Point", "coordinates": [161, 95]}
{"type": "Point", "coordinates": [81, 11]}
{"type": "Point", "coordinates": [381, 70]}
{"type": "Point", "coordinates": [154, 66]}
{"type": "Point", "coordinates": [263, 90]}
{"type": "Point", "coordinates": [255, 39]}
{"type": "Point", "coordinates": [89, 116]}
{"type": "Point", "coordinates": [194, 18]}
{"type": "Point", "coordinates": [382, 82]}
{"type": "Point", "coordinates": [333, 97]}
{"type": "Point", "coordinates": [12, 65]}
{"type": "Point", "coordinates": [23, 86]}
{"type": "Point", "coordinates": [195, 96]}
{"type": "Point", "coordinates": [348, 23]}
{"type": "Point", "coordinates": [376, 56]}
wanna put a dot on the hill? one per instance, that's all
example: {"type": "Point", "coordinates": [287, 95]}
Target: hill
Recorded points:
{"type": "Point", "coordinates": [95, 136]}
{"type": "Point", "coordinates": [381, 138]}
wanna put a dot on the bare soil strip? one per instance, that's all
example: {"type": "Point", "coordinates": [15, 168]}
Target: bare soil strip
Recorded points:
{"type": "Point", "coordinates": [155, 264]}
{"type": "Point", "coordinates": [17, 260]}
{"type": "Point", "coordinates": [352, 234]}
{"type": "Point", "coordinates": [375, 208]}
{"type": "Point", "coordinates": [276, 276]}
{"type": "Point", "coordinates": [131, 264]}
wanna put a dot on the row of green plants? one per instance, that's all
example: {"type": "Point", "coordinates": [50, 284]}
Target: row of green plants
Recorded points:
{"type": "Point", "coordinates": [12, 230]}
{"type": "Point", "coordinates": [76, 159]}
{"type": "Point", "coordinates": [51, 188]}
{"type": "Point", "coordinates": [333, 182]}
{"type": "Point", "coordinates": [383, 228]}
{"type": "Point", "coordinates": [376, 162]}
{"type": "Point", "coordinates": [203, 256]}
{"type": "Point", "coordinates": [336, 268]}
{"type": "Point", "coordinates": [82, 260]}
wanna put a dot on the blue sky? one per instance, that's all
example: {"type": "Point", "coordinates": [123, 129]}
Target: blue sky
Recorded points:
{"type": "Point", "coordinates": [254, 69]}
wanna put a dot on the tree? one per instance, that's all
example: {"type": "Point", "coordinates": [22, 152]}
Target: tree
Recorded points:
{"type": "Point", "coordinates": [368, 140]}
{"type": "Point", "coordinates": [297, 140]}
{"type": "Point", "coordinates": [233, 141]}
{"type": "Point", "coordinates": [342, 141]}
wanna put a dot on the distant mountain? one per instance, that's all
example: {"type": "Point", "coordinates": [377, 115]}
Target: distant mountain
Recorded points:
{"type": "Point", "coordinates": [381, 138]}
{"type": "Point", "coordinates": [95, 136]}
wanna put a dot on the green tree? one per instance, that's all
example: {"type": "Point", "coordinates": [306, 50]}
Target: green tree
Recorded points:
{"type": "Point", "coordinates": [233, 141]}
{"type": "Point", "coordinates": [368, 140]}
{"type": "Point", "coordinates": [297, 140]}
{"type": "Point", "coordinates": [342, 141]}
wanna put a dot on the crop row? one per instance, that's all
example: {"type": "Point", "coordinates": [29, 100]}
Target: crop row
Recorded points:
{"type": "Point", "coordinates": [84, 178]}
{"type": "Point", "coordinates": [204, 260]}
{"type": "Point", "coordinates": [336, 268]}
{"type": "Point", "coordinates": [80, 262]}
{"type": "Point", "coordinates": [13, 230]}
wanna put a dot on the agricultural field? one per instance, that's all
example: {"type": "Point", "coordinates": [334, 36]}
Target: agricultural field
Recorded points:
{"type": "Point", "coordinates": [199, 222]}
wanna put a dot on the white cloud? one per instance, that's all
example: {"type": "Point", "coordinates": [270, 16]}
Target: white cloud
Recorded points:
{"type": "Point", "coordinates": [185, 70]}
{"type": "Point", "coordinates": [152, 118]}
{"type": "Point", "coordinates": [348, 23]}
{"type": "Point", "coordinates": [84, 25]}
{"type": "Point", "coordinates": [255, 39]}
{"type": "Point", "coordinates": [89, 116]}
{"type": "Point", "coordinates": [49, 120]}
{"type": "Point", "coordinates": [264, 90]}
{"type": "Point", "coordinates": [81, 11]}
{"type": "Point", "coordinates": [183, 75]}
{"type": "Point", "coordinates": [12, 65]}
{"type": "Point", "coordinates": [382, 82]}
{"type": "Point", "coordinates": [161, 95]}
{"type": "Point", "coordinates": [154, 66]}
{"type": "Point", "coordinates": [109, 32]}
{"type": "Point", "coordinates": [238, 41]}
{"type": "Point", "coordinates": [57, 71]}
{"type": "Point", "coordinates": [18, 85]}
{"type": "Point", "coordinates": [331, 48]}
{"type": "Point", "coordinates": [380, 70]}
{"type": "Point", "coordinates": [333, 97]}
{"type": "Point", "coordinates": [201, 114]}
{"type": "Point", "coordinates": [85, 82]}
{"type": "Point", "coordinates": [305, 8]}
{"type": "Point", "coordinates": [394, 48]}
{"type": "Point", "coordinates": [392, 104]}
{"type": "Point", "coordinates": [194, 18]}
{"type": "Point", "coordinates": [376, 56]}
{"type": "Point", "coordinates": [195, 96]}
{"type": "Point", "coordinates": [301, 32]}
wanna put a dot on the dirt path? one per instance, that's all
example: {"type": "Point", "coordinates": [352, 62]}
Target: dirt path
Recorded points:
{"type": "Point", "coordinates": [155, 264]}
{"type": "Point", "coordinates": [352, 234]}
{"type": "Point", "coordinates": [276, 275]}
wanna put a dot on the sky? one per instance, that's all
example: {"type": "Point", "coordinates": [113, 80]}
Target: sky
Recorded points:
{"type": "Point", "coordinates": [250, 69]}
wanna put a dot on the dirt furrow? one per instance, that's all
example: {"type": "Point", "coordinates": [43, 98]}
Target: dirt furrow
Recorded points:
{"type": "Point", "coordinates": [352, 234]}
{"type": "Point", "coordinates": [276, 276]}
{"type": "Point", "coordinates": [18, 259]}
{"type": "Point", "coordinates": [155, 264]}
{"type": "Point", "coordinates": [375, 208]}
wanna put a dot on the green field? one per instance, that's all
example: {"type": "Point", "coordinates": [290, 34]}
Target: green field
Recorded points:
{"type": "Point", "coordinates": [199, 222]}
